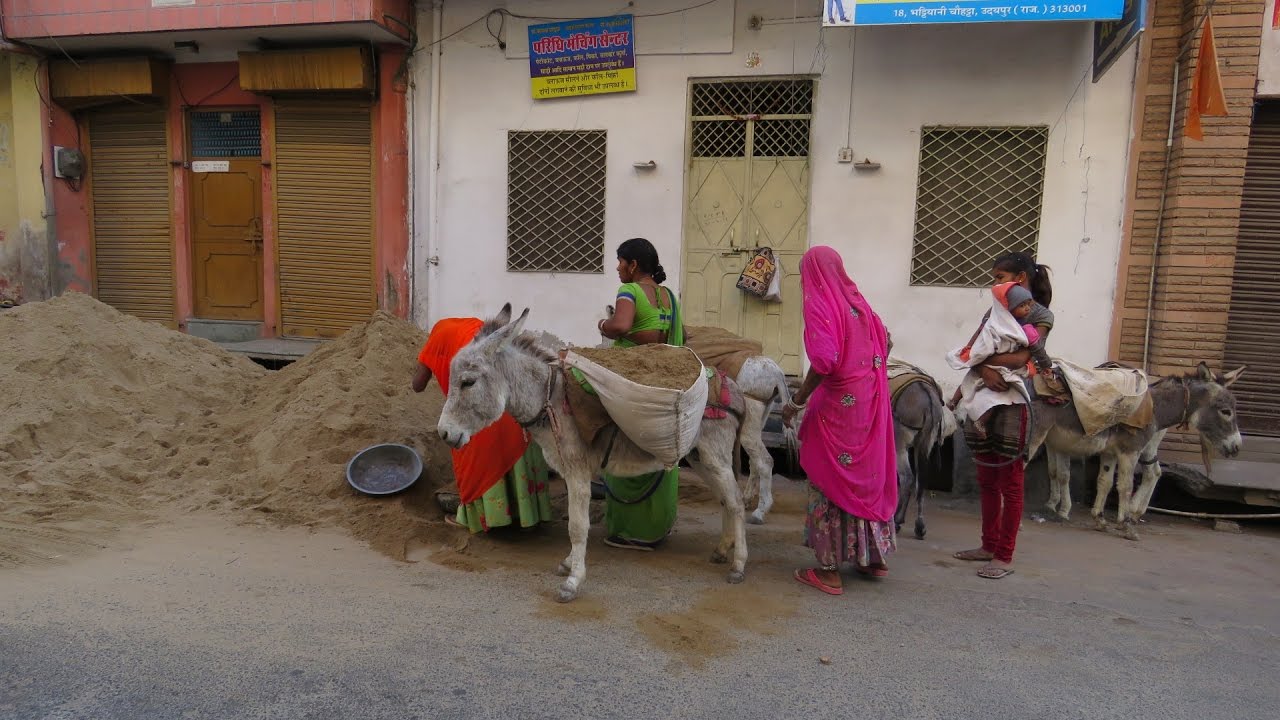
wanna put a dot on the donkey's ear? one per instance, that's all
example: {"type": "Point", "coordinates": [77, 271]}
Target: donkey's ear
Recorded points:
{"type": "Point", "coordinates": [1204, 373]}
{"type": "Point", "coordinates": [504, 315]}
{"type": "Point", "coordinates": [506, 333]}
{"type": "Point", "coordinates": [1230, 378]}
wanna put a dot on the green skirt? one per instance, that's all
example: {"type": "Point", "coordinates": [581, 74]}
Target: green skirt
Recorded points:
{"type": "Point", "coordinates": [521, 496]}
{"type": "Point", "coordinates": [649, 520]}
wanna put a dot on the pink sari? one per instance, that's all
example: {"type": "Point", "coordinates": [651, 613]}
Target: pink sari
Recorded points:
{"type": "Point", "coordinates": [846, 439]}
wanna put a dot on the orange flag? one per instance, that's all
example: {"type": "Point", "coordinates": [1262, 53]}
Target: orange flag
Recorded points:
{"type": "Point", "coordinates": [1207, 96]}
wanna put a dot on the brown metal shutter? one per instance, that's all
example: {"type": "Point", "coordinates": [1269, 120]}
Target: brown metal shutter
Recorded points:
{"type": "Point", "coordinates": [132, 235]}
{"type": "Point", "coordinates": [1253, 331]}
{"type": "Point", "coordinates": [324, 216]}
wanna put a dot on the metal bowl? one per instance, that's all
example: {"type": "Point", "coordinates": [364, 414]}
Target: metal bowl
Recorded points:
{"type": "Point", "coordinates": [384, 469]}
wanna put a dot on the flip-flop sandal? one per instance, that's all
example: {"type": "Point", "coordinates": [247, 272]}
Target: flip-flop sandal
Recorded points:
{"type": "Point", "coordinates": [970, 556]}
{"type": "Point", "coordinates": [625, 544]}
{"type": "Point", "coordinates": [872, 570]}
{"type": "Point", "coordinates": [995, 573]}
{"type": "Point", "coordinates": [808, 577]}
{"type": "Point", "coordinates": [451, 520]}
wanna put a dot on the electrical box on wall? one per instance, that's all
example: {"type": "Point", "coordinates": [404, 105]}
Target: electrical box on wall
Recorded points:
{"type": "Point", "coordinates": [68, 163]}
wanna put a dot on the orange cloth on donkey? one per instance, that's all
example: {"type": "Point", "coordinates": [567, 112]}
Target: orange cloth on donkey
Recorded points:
{"type": "Point", "coordinates": [481, 463]}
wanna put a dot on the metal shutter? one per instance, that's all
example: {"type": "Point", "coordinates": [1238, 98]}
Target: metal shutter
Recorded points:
{"type": "Point", "coordinates": [324, 216]}
{"type": "Point", "coordinates": [132, 235]}
{"type": "Point", "coordinates": [1253, 330]}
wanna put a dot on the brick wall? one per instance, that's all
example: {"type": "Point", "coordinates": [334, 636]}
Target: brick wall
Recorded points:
{"type": "Point", "coordinates": [1202, 197]}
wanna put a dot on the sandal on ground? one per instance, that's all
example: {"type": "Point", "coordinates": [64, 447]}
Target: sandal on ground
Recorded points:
{"type": "Point", "coordinates": [992, 572]}
{"type": "Point", "coordinates": [975, 555]}
{"type": "Point", "coordinates": [451, 520]}
{"type": "Point", "coordinates": [626, 544]}
{"type": "Point", "coordinates": [873, 570]}
{"type": "Point", "coordinates": [808, 576]}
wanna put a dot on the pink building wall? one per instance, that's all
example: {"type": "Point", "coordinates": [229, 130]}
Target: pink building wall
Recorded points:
{"type": "Point", "coordinates": [211, 85]}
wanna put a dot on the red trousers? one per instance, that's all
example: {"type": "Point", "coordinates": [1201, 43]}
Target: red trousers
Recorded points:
{"type": "Point", "coordinates": [1001, 503]}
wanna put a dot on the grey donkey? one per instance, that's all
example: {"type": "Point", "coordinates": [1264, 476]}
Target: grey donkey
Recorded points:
{"type": "Point", "coordinates": [1200, 400]}
{"type": "Point", "coordinates": [507, 370]}
{"type": "Point", "coordinates": [921, 424]}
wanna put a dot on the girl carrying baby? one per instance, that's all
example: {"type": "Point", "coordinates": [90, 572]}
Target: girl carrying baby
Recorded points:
{"type": "Point", "coordinates": [998, 450]}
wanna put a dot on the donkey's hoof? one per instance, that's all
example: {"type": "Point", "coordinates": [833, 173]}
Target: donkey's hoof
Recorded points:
{"type": "Point", "coordinates": [566, 593]}
{"type": "Point", "coordinates": [563, 570]}
{"type": "Point", "coordinates": [736, 577]}
{"type": "Point", "coordinates": [1129, 531]}
{"type": "Point", "coordinates": [920, 531]}
{"type": "Point", "coordinates": [719, 558]}
{"type": "Point", "coordinates": [1099, 523]}
{"type": "Point", "coordinates": [755, 518]}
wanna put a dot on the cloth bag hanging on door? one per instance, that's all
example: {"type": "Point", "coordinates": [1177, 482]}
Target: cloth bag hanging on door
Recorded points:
{"type": "Point", "coordinates": [755, 278]}
{"type": "Point", "coordinates": [774, 294]}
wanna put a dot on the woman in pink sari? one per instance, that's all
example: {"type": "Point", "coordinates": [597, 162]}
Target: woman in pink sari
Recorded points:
{"type": "Point", "coordinates": [846, 438]}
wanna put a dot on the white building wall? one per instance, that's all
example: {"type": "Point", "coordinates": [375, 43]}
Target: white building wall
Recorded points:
{"type": "Point", "coordinates": [1269, 56]}
{"type": "Point", "coordinates": [903, 78]}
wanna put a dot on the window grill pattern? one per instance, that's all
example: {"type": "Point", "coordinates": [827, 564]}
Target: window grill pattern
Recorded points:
{"type": "Point", "coordinates": [781, 138]}
{"type": "Point", "coordinates": [555, 201]}
{"type": "Point", "coordinates": [766, 97]}
{"type": "Point", "coordinates": [720, 138]}
{"type": "Point", "coordinates": [980, 194]}
{"type": "Point", "coordinates": [226, 134]}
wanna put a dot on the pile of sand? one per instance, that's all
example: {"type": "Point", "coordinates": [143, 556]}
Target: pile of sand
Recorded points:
{"type": "Point", "coordinates": [111, 421]}
{"type": "Point", "coordinates": [660, 366]}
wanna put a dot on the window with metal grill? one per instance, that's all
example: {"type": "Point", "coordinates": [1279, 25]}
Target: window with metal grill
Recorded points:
{"type": "Point", "coordinates": [555, 201]}
{"type": "Point", "coordinates": [220, 134]}
{"type": "Point", "coordinates": [979, 195]}
{"type": "Point", "coordinates": [760, 118]}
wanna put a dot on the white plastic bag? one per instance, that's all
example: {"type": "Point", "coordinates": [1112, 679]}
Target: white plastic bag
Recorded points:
{"type": "Point", "coordinates": [774, 293]}
{"type": "Point", "coordinates": [660, 421]}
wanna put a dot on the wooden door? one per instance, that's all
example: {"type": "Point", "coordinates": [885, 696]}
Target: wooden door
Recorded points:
{"type": "Point", "coordinates": [226, 215]}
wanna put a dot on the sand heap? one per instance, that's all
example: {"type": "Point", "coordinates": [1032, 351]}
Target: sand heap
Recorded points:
{"type": "Point", "coordinates": [112, 420]}
{"type": "Point", "coordinates": [661, 366]}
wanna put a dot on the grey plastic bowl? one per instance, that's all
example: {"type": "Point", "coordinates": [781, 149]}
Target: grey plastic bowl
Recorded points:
{"type": "Point", "coordinates": [384, 469]}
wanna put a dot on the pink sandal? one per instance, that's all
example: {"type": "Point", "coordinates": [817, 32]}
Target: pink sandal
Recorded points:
{"type": "Point", "coordinates": [808, 577]}
{"type": "Point", "coordinates": [877, 570]}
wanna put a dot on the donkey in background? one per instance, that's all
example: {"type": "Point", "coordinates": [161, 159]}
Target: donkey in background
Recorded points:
{"type": "Point", "coordinates": [921, 424]}
{"type": "Point", "coordinates": [507, 370]}
{"type": "Point", "coordinates": [1201, 400]}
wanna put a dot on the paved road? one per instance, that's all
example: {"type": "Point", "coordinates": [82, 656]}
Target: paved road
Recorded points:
{"type": "Point", "coordinates": [207, 619]}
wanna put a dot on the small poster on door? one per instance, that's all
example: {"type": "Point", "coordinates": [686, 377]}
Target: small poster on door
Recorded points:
{"type": "Point", "coordinates": [211, 166]}
{"type": "Point", "coordinates": [592, 56]}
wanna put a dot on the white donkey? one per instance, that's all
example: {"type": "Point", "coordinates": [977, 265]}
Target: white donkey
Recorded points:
{"type": "Point", "coordinates": [762, 382]}
{"type": "Point", "coordinates": [506, 370]}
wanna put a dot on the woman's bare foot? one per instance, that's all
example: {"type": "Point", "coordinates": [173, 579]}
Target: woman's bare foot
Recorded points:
{"type": "Point", "coordinates": [974, 555]}
{"type": "Point", "coordinates": [996, 569]}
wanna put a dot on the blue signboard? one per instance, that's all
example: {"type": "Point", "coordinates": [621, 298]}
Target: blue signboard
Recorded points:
{"type": "Point", "coordinates": [592, 56]}
{"type": "Point", "coordinates": [1111, 39]}
{"type": "Point", "coordinates": [930, 12]}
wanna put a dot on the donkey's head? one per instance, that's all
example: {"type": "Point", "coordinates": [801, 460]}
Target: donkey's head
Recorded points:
{"type": "Point", "coordinates": [479, 386]}
{"type": "Point", "coordinates": [1211, 409]}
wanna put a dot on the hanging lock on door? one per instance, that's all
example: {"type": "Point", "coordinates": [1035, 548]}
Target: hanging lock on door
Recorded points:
{"type": "Point", "coordinates": [734, 248]}
{"type": "Point", "coordinates": [255, 234]}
